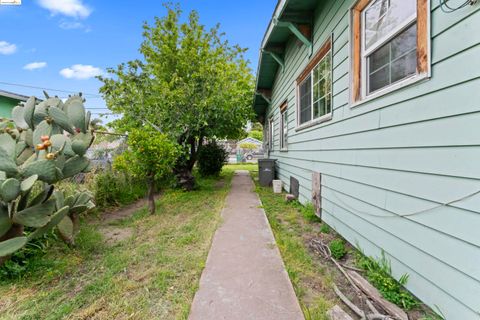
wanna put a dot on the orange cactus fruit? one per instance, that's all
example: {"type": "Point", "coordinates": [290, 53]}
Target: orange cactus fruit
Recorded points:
{"type": "Point", "coordinates": [47, 143]}
{"type": "Point", "coordinates": [44, 138]}
{"type": "Point", "coordinates": [50, 156]}
{"type": "Point", "coordinates": [40, 147]}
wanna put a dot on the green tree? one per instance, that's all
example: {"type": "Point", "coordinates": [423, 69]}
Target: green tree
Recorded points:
{"type": "Point", "coordinates": [191, 85]}
{"type": "Point", "coordinates": [255, 134]}
{"type": "Point", "coordinates": [150, 156]}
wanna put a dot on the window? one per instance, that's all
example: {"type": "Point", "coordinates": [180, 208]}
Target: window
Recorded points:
{"type": "Point", "coordinates": [390, 44]}
{"type": "Point", "coordinates": [270, 134]}
{"type": "Point", "coordinates": [314, 88]}
{"type": "Point", "coordinates": [283, 127]}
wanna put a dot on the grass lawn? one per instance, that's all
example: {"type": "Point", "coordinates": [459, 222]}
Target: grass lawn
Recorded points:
{"type": "Point", "coordinates": [150, 270]}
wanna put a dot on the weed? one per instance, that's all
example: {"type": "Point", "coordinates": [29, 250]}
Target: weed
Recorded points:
{"type": "Point", "coordinates": [337, 247]}
{"type": "Point", "coordinates": [325, 228]}
{"type": "Point", "coordinates": [379, 274]}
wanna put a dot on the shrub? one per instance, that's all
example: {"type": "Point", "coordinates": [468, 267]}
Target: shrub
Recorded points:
{"type": "Point", "coordinates": [211, 159]}
{"type": "Point", "coordinates": [256, 134]}
{"type": "Point", "coordinates": [113, 188]}
{"type": "Point", "coordinates": [337, 247]}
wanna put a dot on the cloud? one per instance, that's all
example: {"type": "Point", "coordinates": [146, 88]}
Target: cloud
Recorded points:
{"type": "Point", "coordinates": [70, 8]}
{"type": "Point", "coordinates": [35, 65]}
{"type": "Point", "coordinates": [7, 48]}
{"type": "Point", "coordinates": [69, 25]}
{"type": "Point", "coordinates": [81, 72]}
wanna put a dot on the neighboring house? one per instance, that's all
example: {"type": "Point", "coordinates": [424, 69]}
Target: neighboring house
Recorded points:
{"type": "Point", "coordinates": [378, 102]}
{"type": "Point", "coordinates": [257, 143]}
{"type": "Point", "coordinates": [8, 101]}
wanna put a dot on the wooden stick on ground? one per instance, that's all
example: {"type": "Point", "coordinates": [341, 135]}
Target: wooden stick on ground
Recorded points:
{"type": "Point", "coordinates": [349, 303]}
{"type": "Point", "coordinates": [373, 293]}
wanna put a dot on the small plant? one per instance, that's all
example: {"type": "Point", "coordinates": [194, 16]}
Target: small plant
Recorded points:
{"type": "Point", "coordinates": [379, 274]}
{"type": "Point", "coordinates": [325, 228]}
{"type": "Point", "coordinates": [211, 159]}
{"type": "Point", "coordinates": [151, 156]}
{"type": "Point", "coordinates": [337, 248]}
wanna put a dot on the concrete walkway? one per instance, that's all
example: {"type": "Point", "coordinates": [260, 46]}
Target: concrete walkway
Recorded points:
{"type": "Point", "coordinates": [244, 278]}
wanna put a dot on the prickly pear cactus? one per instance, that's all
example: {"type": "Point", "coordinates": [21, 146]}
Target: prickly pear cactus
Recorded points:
{"type": "Point", "coordinates": [46, 142]}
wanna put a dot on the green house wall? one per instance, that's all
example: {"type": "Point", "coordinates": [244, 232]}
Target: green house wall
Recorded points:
{"type": "Point", "coordinates": [413, 149]}
{"type": "Point", "coordinates": [6, 106]}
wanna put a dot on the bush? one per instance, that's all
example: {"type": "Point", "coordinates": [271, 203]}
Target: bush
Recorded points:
{"type": "Point", "coordinates": [211, 159]}
{"type": "Point", "coordinates": [113, 188]}
{"type": "Point", "coordinates": [337, 247]}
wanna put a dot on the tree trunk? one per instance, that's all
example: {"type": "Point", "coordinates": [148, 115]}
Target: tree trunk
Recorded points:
{"type": "Point", "coordinates": [15, 231]}
{"type": "Point", "coordinates": [183, 170]}
{"type": "Point", "coordinates": [151, 195]}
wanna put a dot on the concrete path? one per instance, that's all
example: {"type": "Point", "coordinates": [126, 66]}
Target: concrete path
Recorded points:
{"type": "Point", "coordinates": [244, 278]}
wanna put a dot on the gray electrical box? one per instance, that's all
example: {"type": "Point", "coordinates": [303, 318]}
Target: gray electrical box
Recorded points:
{"type": "Point", "coordinates": [266, 171]}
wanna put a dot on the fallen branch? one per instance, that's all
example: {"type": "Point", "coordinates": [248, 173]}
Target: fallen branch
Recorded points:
{"type": "Point", "coordinates": [373, 293]}
{"type": "Point", "coordinates": [349, 303]}
{"type": "Point", "coordinates": [337, 313]}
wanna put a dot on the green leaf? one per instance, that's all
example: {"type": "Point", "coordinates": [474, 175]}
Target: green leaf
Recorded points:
{"type": "Point", "coordinates": [28, 183]}
{"type": "Point", "coordinates": [36, 216]}
{"type": "Point", "coordinates": [43, 129]}
{"type": "Point", "coordinates": [10, 246]}
{"type": "Point", "coordinates": [45, 169]}
{"type": "Point", "coordinates": [60, 118]}
{"type": "Point", "coordinates": [19, 117]}
{"type": "Point", "coordinates": [65, 227]}
{"type": "Point", "coordinates": [60, 141]}
{"type": "Point", "coordinates": [59, 199]}
{"type": "Point", "coordinates": [78, 209]}
{"type": "Point", "coordinates": [5, 222]}
{"type": "Point", "coordinates": [74, 166]}
{"type": "Point", "coordinates": [79, 147]}
{"type": "Point", "coordinates": [28, 112]}
{"type": "Point", "coordinates": [76, 113]}
{"type": "Point", "coordinates": [10, 189]}
{"type": "Point", "coordinates": [8, 144]}
{"type": "Point", "coordinates": [55, 219]}
{"type": "Point", "coordinates": [7, 164]}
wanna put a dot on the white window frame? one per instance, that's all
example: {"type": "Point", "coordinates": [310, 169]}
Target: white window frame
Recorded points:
{"type": "Point", "coordinates": [327, 116]}
{"type": "Point", "coordinates": [270, 133]}
{"type": "Point", "coordinates": [284, 129]}
{"type": "Point", "coordinates": [379, 43]}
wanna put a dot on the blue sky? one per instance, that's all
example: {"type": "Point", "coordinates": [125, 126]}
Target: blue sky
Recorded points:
{"type": "Point", "coordinates": [62, 44]}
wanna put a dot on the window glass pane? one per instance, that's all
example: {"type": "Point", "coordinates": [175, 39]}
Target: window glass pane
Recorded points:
{"type": "Point", "coordinates": [328, 103]}
{"type": "Point", "coordinates": [404, 42]}
{"type": "Point", "coordinates": [404, 66]}
{"type": "Point", "coordinates": [379, 58]}
{"type": "Point", "coordinates": [323, 86]}
{"type": "Point", "coordinates": [383, 16]}
{"type": "Point", "coordinates": [394, 61]}
{"type": "Point", "coordinates": [284, 129]}
{"type": "Point", "coordinates": [379, 79]}
{"type": "Point", "coordinates": [305, 100]}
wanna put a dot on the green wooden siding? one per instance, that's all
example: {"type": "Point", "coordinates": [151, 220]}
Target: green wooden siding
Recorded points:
{"type": "Point", "coordinates": [410, 150]}
{"type": "Point", "coordinates": [6, 106]}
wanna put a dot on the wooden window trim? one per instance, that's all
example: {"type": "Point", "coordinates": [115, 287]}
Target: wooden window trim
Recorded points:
{"type": "Point", "coordinates": [283, 110]}
{"type": "Point", "coordinates": [423, 57]}
{"type": "Point", "coordinates": [315, 60]}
